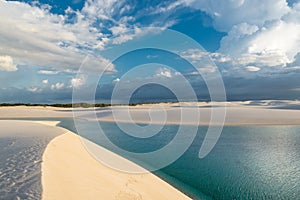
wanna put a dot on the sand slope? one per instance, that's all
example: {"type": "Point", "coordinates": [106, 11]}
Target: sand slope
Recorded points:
{"type": "Point", "coordinates": [70, 172]}
{"type": "Point", "coordinates": [22, 144]}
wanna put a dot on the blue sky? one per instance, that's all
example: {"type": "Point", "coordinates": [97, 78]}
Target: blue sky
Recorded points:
{"type": "Point", "coordinates": [254, 45]}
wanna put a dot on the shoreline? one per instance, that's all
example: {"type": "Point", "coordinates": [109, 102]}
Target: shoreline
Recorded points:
{"type": "Point", "coordinates": [68, 171]}
{"type": "Point", "coordinates": [237, 114]}
{"type": "Point", "coordinates": [33, 119]}
{"type": "Point", "coordinates": [68, 167]}
{"type": "Point", "coordinates": [206, 124]}
{"type": "Point", "coordinates": [22, 147]}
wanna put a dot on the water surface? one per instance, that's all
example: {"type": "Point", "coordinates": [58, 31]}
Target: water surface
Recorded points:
{"type": "Point", "coordinates": [251, 162]}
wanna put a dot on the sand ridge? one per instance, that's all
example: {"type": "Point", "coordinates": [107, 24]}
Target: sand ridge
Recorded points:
{"type": "Point", "coordinates": [22, 146]}
{"type": "Point", "coordinates": [243, 113]}
{"type": "Point", "coordinates": [70, 172]}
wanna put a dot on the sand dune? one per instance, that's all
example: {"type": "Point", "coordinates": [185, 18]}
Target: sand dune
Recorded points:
{"type": "Point", "coordinates": [70, 172]}
{"type": "Point", "coordinates": [237, 113]}
{"type": "Point", "coordinates": [33, 112]}
{"type": "Point", "coordinates": [22, 144]}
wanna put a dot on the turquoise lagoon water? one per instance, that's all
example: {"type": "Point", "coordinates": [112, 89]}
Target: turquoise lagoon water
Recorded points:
{"type": "Point", "coordinates": [247, 162]}
{"type": "Point", "coordinates": [252, 162]}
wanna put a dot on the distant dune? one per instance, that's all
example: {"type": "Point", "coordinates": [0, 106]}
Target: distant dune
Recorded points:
{"type": "Point", "coordinates": [237, 113]}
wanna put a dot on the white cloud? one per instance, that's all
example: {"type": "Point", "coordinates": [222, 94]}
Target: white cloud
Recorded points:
{"type": "Point", "coordinates": [237, 38]}
{"type": "Point", "coordinates": [252, 68]}
{"type": "Point", "coordinates": [274, 45]}
{"type": "Point", "coordinates": [104, 9]}
{"type": "Point", "coordinates": [227, 13]}
{"type": "Point", "coordinates": [33, 89]}
{"type": "Point", "coordinates": [34, 36]}
{"type": "Point", "coordinates": [123, 33]}
{"type": "Point", "coordinates": [119, 29]}
{"type": "Point", "coordinates": [77, 82]}
{"type": "Point", "coordinates": [260, 33]}
{"type": "Point", "coordinates": [48, 72]}
{"type": "Point", "coordinates": [57, 86]}
{"type": "Point", "coordinates": [166, 73]}
{"type": "Point", "coordinates": [45, 81]}
{"type": "Point", "coordinates": [116, 80]}
{"type": "Point", "coordinates": [282, 36]}
{"type": "Point", "coordinates": [171, 6]}
{"type": "Point", "coordinates": [265, 58]}
{"type": "Point", "coordinates": [263, 33]}
{"type": "Point", "coordinates": [7, 64]}
{"type": "Point", "coordinates": [207, 69]}
{"type": "Point", "coordinates": [122, 38]}
{"type": "Point", "coordinates": [194, 54]}
{"type": "Point", "coordinates": [220, 58]}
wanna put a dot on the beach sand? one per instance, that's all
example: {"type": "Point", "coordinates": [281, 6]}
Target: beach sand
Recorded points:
{"type": "Point", "coordinates": [22, 144]}
{"type": "Point", "coordinates": [67, 170]}
{"type": "Point", "coordinates": [70, 172]}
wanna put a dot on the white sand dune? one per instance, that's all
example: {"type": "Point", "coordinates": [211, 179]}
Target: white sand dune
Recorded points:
{"type": "Point", "coordinates": [70, 172]}
{"type": "Point", "coordinates": [22, 144]}
{"type": "Point", "coordinates": [33, 112]}
{"type": "Point", "coordinates": [237, 113]}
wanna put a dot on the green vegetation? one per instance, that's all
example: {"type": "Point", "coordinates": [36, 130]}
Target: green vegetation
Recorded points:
{"type": "Point", "coordinates": [78, 105]}
{"type": "Point", "coordinates": [69, 105]}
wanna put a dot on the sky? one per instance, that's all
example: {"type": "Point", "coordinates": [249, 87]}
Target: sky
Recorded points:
{"type": "Point", "coordinates": [51, 48]}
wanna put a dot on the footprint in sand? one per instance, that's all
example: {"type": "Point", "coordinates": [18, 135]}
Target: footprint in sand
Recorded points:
{"type": "Point", "coordinates": [128, 195]}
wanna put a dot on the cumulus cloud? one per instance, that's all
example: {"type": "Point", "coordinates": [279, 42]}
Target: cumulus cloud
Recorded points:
{"type": "Point", "coordinates": [77, 82]}
{"type": "Point", "coordinates": [164, 72]}
{"type": "Point", "coordinates": [34, 36]}
{"type": "Point", "coordinates": [193, 54]}
{"type": "Point", "coordinates": [57, 86]}
{"type": "Point", "coordinates": [275, 45]}
{"type": "Point", "coordinates": [228, 13]}
{"type": "Point", "coordinates": [264, 33]}
{"type": "Point", "coordinates": [7, 64]}
{"type": "Point", "coordinates": [282, 36]}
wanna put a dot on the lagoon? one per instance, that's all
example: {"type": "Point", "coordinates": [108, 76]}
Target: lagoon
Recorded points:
{"type": "Point", "coordinates": [248, 162]}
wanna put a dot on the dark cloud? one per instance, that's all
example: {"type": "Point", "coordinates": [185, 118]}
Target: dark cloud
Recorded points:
{"type": "Point", "coordinates": [273, 87]}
